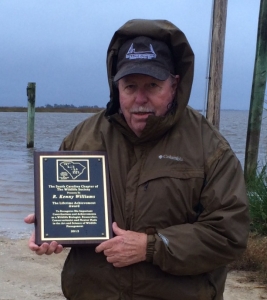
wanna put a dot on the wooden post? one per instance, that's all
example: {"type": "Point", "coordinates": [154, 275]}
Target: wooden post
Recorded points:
{"type": "Point", "coordinates": [31, 114]}
{"type": "Point", "coordinates": [257, 95]}
{"type": "Point", "coordinates": [216, 62]}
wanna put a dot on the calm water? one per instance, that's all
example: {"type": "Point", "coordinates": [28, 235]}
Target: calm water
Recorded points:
{"type": "Point", "coordinates": [16, 161]}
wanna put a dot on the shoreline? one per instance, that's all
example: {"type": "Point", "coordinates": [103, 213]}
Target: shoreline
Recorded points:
{"type": "Point", "coordinates": [86, 109]}
{"type": "Point", "coordinates": [25, 275]}
{"type": "Point", "coordinates": [53, 110]}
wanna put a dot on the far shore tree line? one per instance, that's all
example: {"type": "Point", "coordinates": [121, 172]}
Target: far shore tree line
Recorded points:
{"type": "Point", "coordinates": [54, 108]}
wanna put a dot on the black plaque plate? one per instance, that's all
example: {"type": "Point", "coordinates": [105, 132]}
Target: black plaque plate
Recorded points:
{"type": "Point", "coordinates": [72, 198]}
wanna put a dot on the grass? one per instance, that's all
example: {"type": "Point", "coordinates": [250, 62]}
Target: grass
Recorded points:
{"type": "Point", "coordinates": [255, 256]}
{"type": "Point", "coordinates": [257, 194]}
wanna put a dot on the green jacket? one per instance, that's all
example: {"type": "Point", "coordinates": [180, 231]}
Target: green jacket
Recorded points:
{"type": "Point", "coordinates": [180, 182]}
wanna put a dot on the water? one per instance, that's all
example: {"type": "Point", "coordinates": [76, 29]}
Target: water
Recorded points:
{"type": "Point", "coordinates": [233, 126]}
{"type": "Point", "coordinates": [16, 161]}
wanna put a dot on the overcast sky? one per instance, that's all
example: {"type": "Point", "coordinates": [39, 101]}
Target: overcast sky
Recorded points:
{"type": "Point", "coordinates": [61, 45]}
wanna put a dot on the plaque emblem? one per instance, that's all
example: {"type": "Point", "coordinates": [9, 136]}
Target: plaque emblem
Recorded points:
{"type": "Point", "coordinates": [72, 170]}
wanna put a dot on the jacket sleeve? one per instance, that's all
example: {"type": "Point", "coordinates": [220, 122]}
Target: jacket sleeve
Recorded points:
{"type": "Point", "coordinates": [220, 233]}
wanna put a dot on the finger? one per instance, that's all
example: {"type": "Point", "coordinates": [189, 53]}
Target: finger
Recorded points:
{"type": "Point", "coordinates": [29, 219]}
{"type": "Point", "coordinates": [52, 248]}
{"type": "Point", "coordinates": [105, 245]}
{"type": "Point", "coordinates": [101, 247]}
{"type": "Point", "coordinates": [42, 249]}
{"type": "Point", "coordinates": [119, 265]}
{"type": "Point", "coordinates": [112, 259]}
{"type": "Point", "coordinates": [32, 244]}
{"type": "Point", "coordinates": [59, 249]}
{"type": "Point", "coordinates": [108, 252]}
{"type": "Point", "coordinates": [117, 230]}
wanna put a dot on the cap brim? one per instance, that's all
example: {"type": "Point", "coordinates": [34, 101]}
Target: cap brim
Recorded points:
{"type": "Point", "coordinates": [149, 69]}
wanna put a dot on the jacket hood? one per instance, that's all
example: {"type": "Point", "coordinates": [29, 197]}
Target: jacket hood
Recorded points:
{"type": "Point", "coordinates": [184, 67]}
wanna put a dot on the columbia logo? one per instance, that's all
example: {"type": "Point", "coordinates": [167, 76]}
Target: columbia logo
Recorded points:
{"type": "Point", "coordinates": [177, 158]}
{"type": "Point", "coordinates": [132, 54]}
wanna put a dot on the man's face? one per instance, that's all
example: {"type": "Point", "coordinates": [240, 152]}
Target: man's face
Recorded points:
{"type": "Point", "coordinates": [142, 95]}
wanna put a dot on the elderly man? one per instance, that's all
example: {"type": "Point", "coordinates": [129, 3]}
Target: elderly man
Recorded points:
{"type": "Point", "coordinates": [178, 196]}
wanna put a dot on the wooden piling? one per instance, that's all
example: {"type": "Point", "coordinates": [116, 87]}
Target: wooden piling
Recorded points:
{"type": "Point", "coordinates": [257, 95]}
{"type": "Point", "coordinates": [31, 114]}
{"type": "Point", "coordinates": [216, 62]}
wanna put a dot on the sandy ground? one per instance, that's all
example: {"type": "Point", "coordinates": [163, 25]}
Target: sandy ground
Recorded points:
{"type": "Point", "coordinates": [24, 275]}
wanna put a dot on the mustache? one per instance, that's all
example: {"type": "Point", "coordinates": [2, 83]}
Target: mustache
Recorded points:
{"type": "Point", "coordinates": [142, 109]}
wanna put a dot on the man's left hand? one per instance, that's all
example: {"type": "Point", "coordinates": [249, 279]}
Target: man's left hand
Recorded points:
{"type": "Point", "coordinates": [126, 248]}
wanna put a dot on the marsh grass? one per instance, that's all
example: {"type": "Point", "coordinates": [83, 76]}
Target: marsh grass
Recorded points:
{"type": "Point", "coordinates": [255, 256]}
{"type": "Point", "coordinates": [257, 194]}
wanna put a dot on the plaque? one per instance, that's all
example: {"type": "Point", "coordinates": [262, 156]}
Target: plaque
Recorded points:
{"type": "Point", "coordinates": [72, 197]}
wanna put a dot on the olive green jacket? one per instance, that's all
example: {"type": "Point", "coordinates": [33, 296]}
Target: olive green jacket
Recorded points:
{"type": "Point", "coordinates": [179, 182]}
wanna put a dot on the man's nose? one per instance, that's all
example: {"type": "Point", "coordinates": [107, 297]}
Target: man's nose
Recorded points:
{"type": "Point", "coordinates": [141, 96]}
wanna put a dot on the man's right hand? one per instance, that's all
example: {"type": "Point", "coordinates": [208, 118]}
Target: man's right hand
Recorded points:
{"type": "Point", "coordinates": [45, 248]}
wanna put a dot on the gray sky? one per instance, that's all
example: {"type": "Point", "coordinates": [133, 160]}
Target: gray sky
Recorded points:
{"type": "Point", "coordinates": [61, 45]}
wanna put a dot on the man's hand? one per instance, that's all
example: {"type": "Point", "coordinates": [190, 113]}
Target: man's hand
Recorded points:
{"type": "Point", "coordinates": [45, 248]}
{"type": "Point", "coordinates": [127, 248]}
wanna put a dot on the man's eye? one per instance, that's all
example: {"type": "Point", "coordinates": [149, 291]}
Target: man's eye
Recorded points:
{"type": "Point", "coordinates": [153, 85]}
{"type": "Point", "coordinates": [130, 86]}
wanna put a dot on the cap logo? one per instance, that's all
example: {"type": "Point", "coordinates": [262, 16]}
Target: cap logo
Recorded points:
{"type": "Point", "coordinates": [132, 54]}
